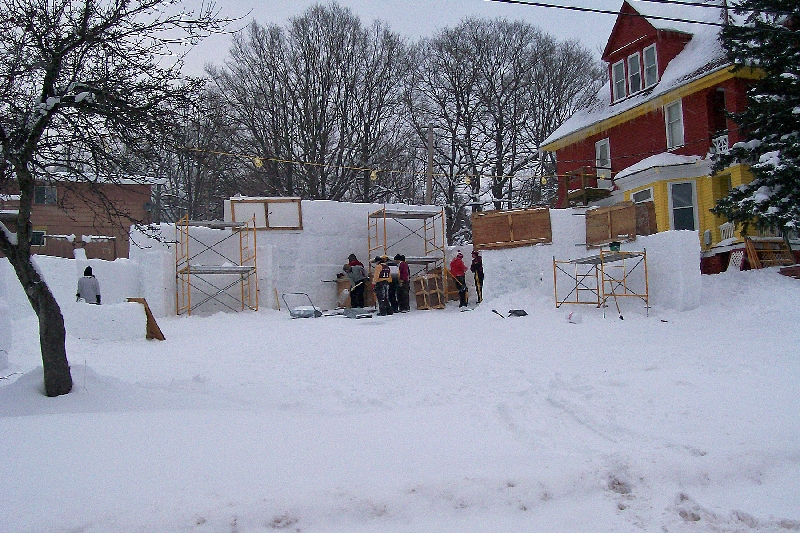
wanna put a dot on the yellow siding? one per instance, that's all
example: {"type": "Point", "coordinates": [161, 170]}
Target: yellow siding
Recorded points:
{"type": "Point", "coordinates": [708, 190]}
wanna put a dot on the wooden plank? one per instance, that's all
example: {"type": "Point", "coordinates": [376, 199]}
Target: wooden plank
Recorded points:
{"type": "Point", "coordinates": [646, 218]}
{"type": "Point", "coordinates": [153, 331]}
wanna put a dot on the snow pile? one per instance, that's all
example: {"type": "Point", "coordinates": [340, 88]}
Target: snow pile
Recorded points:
{"type": "Point", "coordinates": [431, 421]}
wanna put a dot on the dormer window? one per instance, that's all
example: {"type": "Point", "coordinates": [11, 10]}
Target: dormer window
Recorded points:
{"type": "Point", "coordinates": [650, 66]}
{"type": "Point", "coordinates": [634, 73]}
{"type": "Point", "coordinates": [618, 80]}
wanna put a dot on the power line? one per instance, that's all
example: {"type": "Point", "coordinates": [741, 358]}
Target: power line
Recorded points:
{"type": "Point", "coordinates": [687, 3]}
{"type": "Point", "coordinates": [606, 12]}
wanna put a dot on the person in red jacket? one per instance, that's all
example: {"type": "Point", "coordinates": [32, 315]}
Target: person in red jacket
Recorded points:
{"type": "Point", "coordinates": [405, 279]}
{"type": "Point", "coordinates": [459, 270]}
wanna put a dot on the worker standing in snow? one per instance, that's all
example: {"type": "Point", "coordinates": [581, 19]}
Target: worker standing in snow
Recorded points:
{"type": "Point", "coordinates": [477, 270]}
{"type": "Point", "coordinates": [380, 281]}
{"type": "Point", "coordinates": [394, 284]}
{"type": "Point", "coordinates": [405, 279]}
{"type": "Point", "coordinates": [459, 270]}
{"type": "Point", "coordinates": [357, 277]}
{"type": "Point", "coordinates": [88, 288]}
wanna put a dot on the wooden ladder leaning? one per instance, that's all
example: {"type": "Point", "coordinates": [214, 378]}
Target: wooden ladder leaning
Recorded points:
{"type": "Point", "coordinates": [763, 252]}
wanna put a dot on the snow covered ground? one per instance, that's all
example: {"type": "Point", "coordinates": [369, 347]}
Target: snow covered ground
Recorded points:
{"type": "Point", "coordinates": [431, 421]}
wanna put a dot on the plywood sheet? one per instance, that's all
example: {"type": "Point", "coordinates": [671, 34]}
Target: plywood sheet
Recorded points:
{"type": "Point", "coordinates": [611, 223]}
{"type": "Point", "coordinates": [508, 229]}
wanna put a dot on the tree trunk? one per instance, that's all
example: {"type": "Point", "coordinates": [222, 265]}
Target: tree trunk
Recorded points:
{"type": "Point", "coordinates": [52, 334]}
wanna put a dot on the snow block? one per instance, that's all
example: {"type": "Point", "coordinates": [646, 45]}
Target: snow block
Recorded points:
{"type": "Point", "coordinates": [115, 322]}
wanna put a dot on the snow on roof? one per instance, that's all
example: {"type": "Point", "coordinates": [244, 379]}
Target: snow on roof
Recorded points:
{"type": "Point", "coordinates": [658, 14]}
{"type": "Point", "coordinates": [664, 159]}
{"type": "Point", "coordinates": [702, 55]}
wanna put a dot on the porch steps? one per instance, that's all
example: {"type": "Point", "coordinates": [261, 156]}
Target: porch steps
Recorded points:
{"type": "Point", "coordinates": [763, 252]}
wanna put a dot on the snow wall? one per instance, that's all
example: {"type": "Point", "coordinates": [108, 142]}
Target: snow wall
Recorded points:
{"type": "Point", "coordinates": [306, 261]}
{"type": "Point", "coordinates": [673, 263]}
{"type": "Point", "coordinates": [290, 261]}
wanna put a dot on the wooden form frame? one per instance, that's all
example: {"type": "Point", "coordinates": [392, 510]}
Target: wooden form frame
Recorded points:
{"type": "Point", "coordinates": [597, 278]}
{"type": "Point", "coordinates": [613, 223]}
{"type": "Point", "coordinates": [245, 269]}
{"type": "Point", "coordinates": [269, 213]}
{"type": "Point", "coordinates": [510, 229]}
{"type": "Point", "coordinates": [430, 265]}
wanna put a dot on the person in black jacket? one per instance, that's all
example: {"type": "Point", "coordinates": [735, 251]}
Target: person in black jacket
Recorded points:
{"type": "Point", "coordinates": [477, 270]}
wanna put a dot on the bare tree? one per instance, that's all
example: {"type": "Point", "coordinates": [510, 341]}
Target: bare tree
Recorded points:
{"type": "Point", "coordinates": [321, 103]}
{"type": "Point", "coordinates": [494, 90]}
{"type": "Point", "coordinates": [92, 78]}
{"type": "Point", "coordinates": [444, 93]}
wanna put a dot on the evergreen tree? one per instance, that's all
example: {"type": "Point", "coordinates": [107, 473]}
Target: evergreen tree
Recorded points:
{"type": "Point", "coordinates": [766, 39]}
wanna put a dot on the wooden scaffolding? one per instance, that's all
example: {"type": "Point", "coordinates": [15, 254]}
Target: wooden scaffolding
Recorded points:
{"type": "Point", "coordinates": [595, 279]}
{"type": "Point", "coordinates": [428, 278]}
{"type": "Point", "coordinates": [214, 281]}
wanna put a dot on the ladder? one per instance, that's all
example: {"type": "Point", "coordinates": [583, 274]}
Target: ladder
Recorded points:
{"type": "Point", "coordinates": [763, 252]}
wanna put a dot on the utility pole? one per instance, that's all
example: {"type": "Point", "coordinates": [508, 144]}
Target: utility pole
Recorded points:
{"type": "Point", "coordinates": [429, 182]}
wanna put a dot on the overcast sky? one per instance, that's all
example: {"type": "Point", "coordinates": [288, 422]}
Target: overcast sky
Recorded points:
{"type": "Point", "coordinates": [415, 18]}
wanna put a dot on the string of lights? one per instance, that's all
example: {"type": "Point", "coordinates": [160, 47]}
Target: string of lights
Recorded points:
{"type": "Point", "coordinates": [259, 160]}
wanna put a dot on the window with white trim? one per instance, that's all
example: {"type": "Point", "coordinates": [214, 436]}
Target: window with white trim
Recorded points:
{"type": "Point", "coordinates": [645, 195]}
{"type": "Point", "coordinates": [618, 80]}
{"type": "Point", "coordinates": [38, 237]}
{"type": "Point", "coordinates": [673, 115]}
{"type": "Point", "coordinates": [682, 210]}
{"type": "Point", "coordinates": [650, 66]}
{"type": "Point", "coordinates": [602, 158]}
{"type": "Point", "coordinates": [634, 74]}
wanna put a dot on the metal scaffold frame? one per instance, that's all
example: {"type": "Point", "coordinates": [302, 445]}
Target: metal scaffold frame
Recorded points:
{"type": "Point", "coordinates": [600, 277]}
{"type": "Point", "coordinates": [245, 269]}
{"type": "Point", "coordinates": [434, 239]}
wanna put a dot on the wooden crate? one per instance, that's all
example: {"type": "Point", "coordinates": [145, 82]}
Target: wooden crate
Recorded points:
{"type": "Point", "coordinates": [429, 291]}
{"type": "Point", "coordinates": [509, 229]}
{"type": "Point", "coordinates": [611, 223]}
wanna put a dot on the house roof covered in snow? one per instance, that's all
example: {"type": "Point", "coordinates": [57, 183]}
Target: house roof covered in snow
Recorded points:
{"type": "Point", "coordinates": [664, 159]}
{"type": "Point", "coordinates": [702, 56]}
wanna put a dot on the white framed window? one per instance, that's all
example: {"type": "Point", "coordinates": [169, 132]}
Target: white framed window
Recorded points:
{"type": "Point", "coordinates": [673, 115]}
{"type": "Point", "coordinates": [650, 66]}
{"type": "Point", "coordinates": [645, 195]}
{"type": "Point", "coordinates": [618, 80]}
{"type": "Point", "coordinates": [38, 237]}
{"type": "Point", "coordinates": [45, 195]}
{"type": "Point", "coordinates": [683, 214]}
{"type": "Point", "coordinates": [634, 74]}
{"type": "Point", "coordinates": [602, 158]}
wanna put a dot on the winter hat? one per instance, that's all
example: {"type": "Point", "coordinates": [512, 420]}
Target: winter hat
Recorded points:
{"type": "Point", "coordinates": [88, 271]}
{"type": "Point", "coordinates": [459, 254]}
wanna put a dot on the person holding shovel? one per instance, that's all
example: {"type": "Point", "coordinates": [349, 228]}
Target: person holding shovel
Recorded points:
{"type": "Point", "coordinates": [357, 276]}
{"type": "Point", "coordinates": [459, 270]}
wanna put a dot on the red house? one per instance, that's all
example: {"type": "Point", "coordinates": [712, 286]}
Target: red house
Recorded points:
{"type": "Point", "coordinates": [653, 128]}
